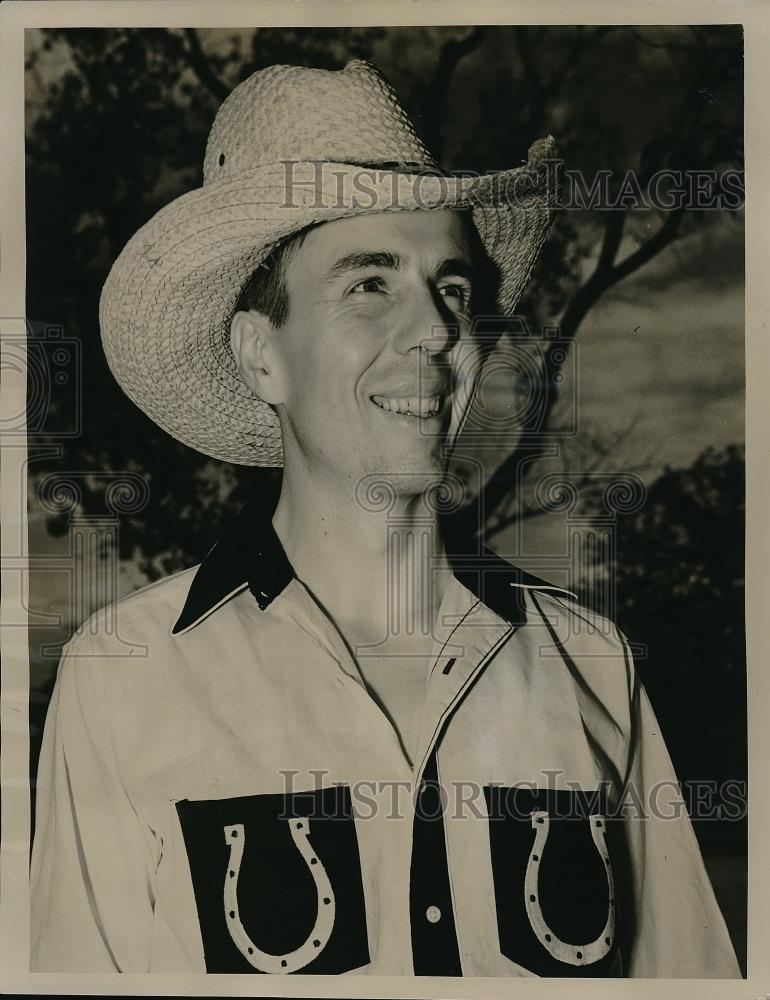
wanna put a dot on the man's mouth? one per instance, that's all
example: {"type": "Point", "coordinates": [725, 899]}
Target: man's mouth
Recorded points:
{"type": "Point", "coordinates": [423, 407]}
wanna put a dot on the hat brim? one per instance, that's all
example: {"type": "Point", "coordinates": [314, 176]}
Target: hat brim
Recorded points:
{"type": "Point", "coordinates": [167, 302]}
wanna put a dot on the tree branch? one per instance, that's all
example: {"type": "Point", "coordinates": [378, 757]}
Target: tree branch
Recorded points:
{"type": "Point", "coordinates": [698, 47]}
{"type": "Point", "coordinates": [667, 233]}
{"type": "Point", "coordinates": [521, 34]}
{"type": "Point", "coordinates": [452, 51]}
{"type": "Point", "coordinates": [574, 55]}
{"type": "Point", "coordinates": [603, 277]}
{"type": "Point", "coordinates": [593, 457]}
{"type": "Point", "coordinates": [613, 234]}
{"type": "Point", "coordinates": [202, 67]}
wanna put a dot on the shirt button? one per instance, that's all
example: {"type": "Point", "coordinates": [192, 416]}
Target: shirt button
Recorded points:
{"type": "Point", "coordinates": [433, 914]}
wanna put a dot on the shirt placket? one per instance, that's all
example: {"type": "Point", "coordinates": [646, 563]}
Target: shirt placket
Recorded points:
{"type": "Point", "coordinates": [459, 656]}
{"type": "Point", "coordinates": [474, 640]}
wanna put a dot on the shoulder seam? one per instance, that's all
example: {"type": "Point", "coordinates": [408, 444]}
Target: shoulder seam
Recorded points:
{"type": "Point", "coordinates": [590, 617]}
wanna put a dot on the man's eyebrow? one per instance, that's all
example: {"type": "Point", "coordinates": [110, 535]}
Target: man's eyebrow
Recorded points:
{"type": "Point", "coordinates": [362, 259]}
{"type": "Point", "coordinates": [459, 266]}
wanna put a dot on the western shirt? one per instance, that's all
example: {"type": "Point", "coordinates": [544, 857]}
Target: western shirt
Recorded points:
{"type": "Point", "coordinates": [218, 791]}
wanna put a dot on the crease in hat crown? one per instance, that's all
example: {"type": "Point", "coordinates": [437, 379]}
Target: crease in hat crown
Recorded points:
{"type": "Point", "coordinates": [302, 114]}
{"type": "Point", "coordinates": [166, 305]}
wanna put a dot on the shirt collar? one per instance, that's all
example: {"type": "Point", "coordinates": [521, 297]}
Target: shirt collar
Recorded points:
{"type": "Point", "coordinates": [250, 554]}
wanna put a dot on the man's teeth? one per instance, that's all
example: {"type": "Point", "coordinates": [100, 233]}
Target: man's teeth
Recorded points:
{"type": "Point", "coordinates": [414, 406]}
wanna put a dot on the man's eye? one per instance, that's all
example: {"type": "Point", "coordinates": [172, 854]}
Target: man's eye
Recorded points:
{"type": "Point", "coordinates": [460, 293]}
{"type": "Point", "coordinates": [368, 285]}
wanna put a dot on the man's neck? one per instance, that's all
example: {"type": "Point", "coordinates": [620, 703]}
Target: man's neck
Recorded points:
{"type": "Point", "coordinates": [379, 573]}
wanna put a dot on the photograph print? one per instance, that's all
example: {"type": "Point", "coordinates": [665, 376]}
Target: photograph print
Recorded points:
{"type": "Point", "coordinates": [386, 500]}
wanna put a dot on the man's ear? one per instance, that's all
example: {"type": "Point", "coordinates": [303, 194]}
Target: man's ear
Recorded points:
{"type": "Point", "coordinates": [252, 342]}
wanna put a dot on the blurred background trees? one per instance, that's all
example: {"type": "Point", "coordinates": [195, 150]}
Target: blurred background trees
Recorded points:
{"type": "Point", "coordinates": [117, 121]}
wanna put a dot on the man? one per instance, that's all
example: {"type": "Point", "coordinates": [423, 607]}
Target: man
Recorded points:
{"type": "Point", "coordinates": [342, 744]}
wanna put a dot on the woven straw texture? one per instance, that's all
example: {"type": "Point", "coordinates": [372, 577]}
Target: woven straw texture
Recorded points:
{"type": "Point", "coordinates": [289, 147]}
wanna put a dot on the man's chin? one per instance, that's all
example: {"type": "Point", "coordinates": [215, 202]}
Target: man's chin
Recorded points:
{"type": "Point", "coordinates": [408, 472]}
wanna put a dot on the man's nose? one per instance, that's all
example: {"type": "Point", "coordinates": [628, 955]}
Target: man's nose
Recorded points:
{"type": "Point", "coordinates": [427, 323]}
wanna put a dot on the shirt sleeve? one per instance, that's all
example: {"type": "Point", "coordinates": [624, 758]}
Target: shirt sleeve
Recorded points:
{"type": "Point", "coordinates": [680, 931]}
{"type": "Point", "coordinates": [92, 863]}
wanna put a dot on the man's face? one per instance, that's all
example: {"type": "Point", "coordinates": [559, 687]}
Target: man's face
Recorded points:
{"type": "Point", "coordinates": [376, 355]}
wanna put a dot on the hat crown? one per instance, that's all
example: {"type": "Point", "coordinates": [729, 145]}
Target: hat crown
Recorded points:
{"type": "Point", "coordinates": [298, 113]}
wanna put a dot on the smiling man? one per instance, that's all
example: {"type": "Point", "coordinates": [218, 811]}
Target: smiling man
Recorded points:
{"type": "Point", "coordinates": [341, 744]}
{"type": "Point", "coordinates": [360, 371]}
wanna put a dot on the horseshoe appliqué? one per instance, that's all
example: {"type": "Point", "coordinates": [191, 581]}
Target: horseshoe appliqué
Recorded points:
{"type": "Point", "coordinates": [318, 938]}
{"type": "Point", "coordinates": [571, 954]}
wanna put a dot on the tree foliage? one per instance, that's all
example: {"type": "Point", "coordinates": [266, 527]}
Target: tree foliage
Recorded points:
{"type": "Point", "coordinates": [680, 576]}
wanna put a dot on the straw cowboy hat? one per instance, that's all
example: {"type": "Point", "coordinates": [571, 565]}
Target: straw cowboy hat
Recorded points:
{"type": "Point", "coordinates": [289, 147]}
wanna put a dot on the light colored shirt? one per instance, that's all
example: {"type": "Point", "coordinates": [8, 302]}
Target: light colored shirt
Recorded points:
{"type": "Point", "coordinates": [219, 792]}
{"type": "Point", "coordinates": [398, 685]}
